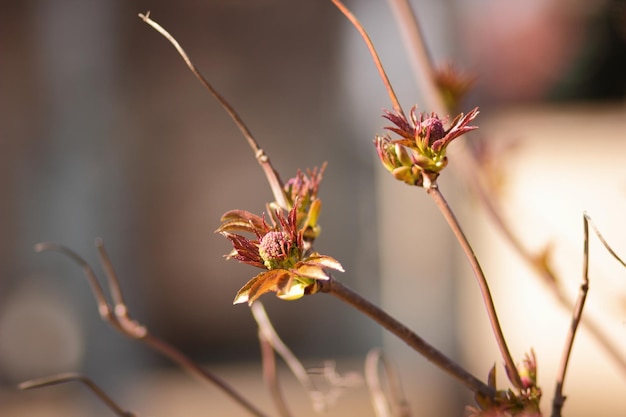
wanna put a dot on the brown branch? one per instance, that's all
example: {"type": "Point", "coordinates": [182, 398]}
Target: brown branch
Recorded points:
{"type": "Point", "coordinates": [370, 46]}
{"type": "Point", "coordinates": [272, 176]}
{"type": "Point", "coordinates": [416, 48]}
{"type": "Point", "coordinates": [472, 173]}
{"type": "Point", "coordinates": [296, 367]}
{"type": "Point", "coordinates": [119, 318]}
{"type": "Point", "coordinates": [337, 289]}
{"type": "Point", "coordinates": [559, 398]}
{"type": "Point", "coordinates": [423, 67]}
{"type": "Point", "coordinates": [433, 190]}
{"type": "Point", "coordinates": [74, 377]}
{"type": "Point", "coordinates": [270, 375]}
{"type": "Point", "coordinates": [385, 404]}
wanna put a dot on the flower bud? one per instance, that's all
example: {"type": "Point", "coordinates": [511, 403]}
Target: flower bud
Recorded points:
{"type": "Point", "coordinates": [274, 249]}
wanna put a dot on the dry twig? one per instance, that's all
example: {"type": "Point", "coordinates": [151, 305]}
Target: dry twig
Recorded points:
{"type": "Point", "coordinates": [559, 398]}
{"type": "Point", "coordinates": [74, 377]}
{"type": "Point", "coordinates": [272, 176]}
{"type": "Point", "coordinates": [392, 403]}
{"type": "Point", "coordinates": [117, 315]}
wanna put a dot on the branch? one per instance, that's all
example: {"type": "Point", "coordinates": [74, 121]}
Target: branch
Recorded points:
{"type": "Point", "coordinates": [559, 398]}
{"type": "Point", "coordinates": [118, 317]}
{"type": "Point", "coordinates": [336, 288]}
{"type": "Point", "coordinates": [370, 46]}
{"type": "Point", "coordinates": [420, 59]}
{"type": "Point", "coordinates": [448, 214]}
{"type": "Point", "coordinates": [272, 176]}
{"type": "Point", "coordinates": [424, 72]}
{"type": "Point", "coordinates": [270, 375]}
{"type": "Point", "coordinates": [267, 331]}
{"type": "Point", "coordinates": [473, 173]}
{"type": "Point", "coordinates": [385, 404]}
{"type": "Point", "coordinates": [73, 377]}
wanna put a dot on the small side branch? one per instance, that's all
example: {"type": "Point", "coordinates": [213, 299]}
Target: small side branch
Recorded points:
{"type": "Point", "coordinates": [272, 176]}
{"type": "Point", "coordinates": [392, 403]}
{"type": "Point", "coordinates": [74, 377]}
{"type": "Point", "coordinates": [270, 375]}
{"type": "Point", "coordinates": [405, 334]}
{"type": "Point", "coordinates": [559, 398]}
{"type": "Point", "coordinates": [117, 315]}
{"type": "Point", "coordinates": [268, 333]}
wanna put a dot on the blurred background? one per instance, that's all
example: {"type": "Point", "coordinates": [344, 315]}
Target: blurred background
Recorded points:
{"type": "Point", "coordinates": [105, 133]}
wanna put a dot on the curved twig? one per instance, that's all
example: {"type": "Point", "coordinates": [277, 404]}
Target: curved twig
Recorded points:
{"type": "Point", "coordinates": [270, 374]}
{"type": "Point", "coordinates": [268, 332]}
{"type": "Point", "coordinates": [559, 398]}
{"type": "Point", "coordinates": [74, 377]}
{"type": "Point", "coordinates": [104, 310]}
{"type": "Point", "coordinates": [119, 318]}
{"type": "Point", "coordinates": [273, 178]}
{"type": "Point", "coordinates": [385, 404]}
{"type": "Point", "coordinates": [370, 46]}
{"type": "Point", "coordinates": [420, 59]}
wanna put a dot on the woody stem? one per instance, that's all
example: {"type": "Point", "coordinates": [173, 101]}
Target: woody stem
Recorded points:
{"type": "Point", "coordinates": [433, 190]}
{"type": "Point", "coordinates": [405, 334]}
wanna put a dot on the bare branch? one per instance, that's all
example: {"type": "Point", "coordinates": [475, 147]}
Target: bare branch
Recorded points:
{"type": "Point", "coordinates": [474, 176]}
{"type": "Point", "coordinates": [269, 333]}
{"type": "Point", "coordinates": [393, 403]}
{"type": "Point", "coordinates": [416, 49]}
{"type": "Point", "coordinates": [119, 318]}
{"type": "Point", "coordinates": [272, 176]}
{"type": "Point", "coordinates": [370, 46]}
{"type": "Point", "coordinates": [336, 288]}
{"type": "Point", "coordinates": [442, 204]}
{"type": "Point", "coordinates": [603, 241]}
{"type": "Point", "coordinates": [559, 398]}
{"type": "Point", "coordinates": [74, 377]}
{"type": "Point", "coordinates": [106, 313]}
{"type": "Point", "coordinates": [270, 374]}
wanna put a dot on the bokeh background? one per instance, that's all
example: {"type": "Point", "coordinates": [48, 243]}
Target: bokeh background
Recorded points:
{"type": "Point", "coordinates": [105, 133]}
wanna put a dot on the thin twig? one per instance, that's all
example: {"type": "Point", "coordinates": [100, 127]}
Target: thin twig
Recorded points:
{"type": "Point", "coordinates": [393, 404]}
{"type": "Point", "coordinates": [270, 375]}
{"type": "Point", "coordinates": [370, 46]}
{"type": "Point", "coordinates": [74, 377]}
{"type": "Point", "coordinates": [337, 289]}
{"type": "Point", "coordinates": [603, 240]}
{"type": "Point", "coordinates": [448, 214]}
{"type": "Point", "coordinates": [119, 318]}
{"type": "Point", "coordinates": [473, 175]}
{"type": "Point", "coordinates": [272, 176]}
{"type": "Point", "coordinates": [381, 405]}
{"type": "Point", "coordinates": [559, 398]}
{"type": "Point", "coordinates": [296, 367]}
{"type": "Point", "coordinates": [420, 59]}
{"type": "Point", "coordinates": [103, 305]}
